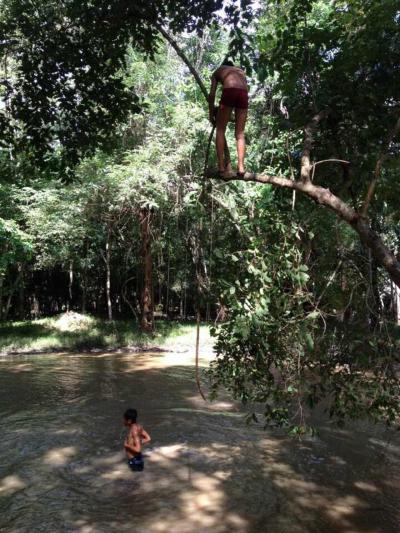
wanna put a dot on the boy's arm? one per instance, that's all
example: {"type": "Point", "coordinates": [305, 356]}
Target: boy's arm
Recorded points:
{"type": "Point", "coordinates": [145, 437]}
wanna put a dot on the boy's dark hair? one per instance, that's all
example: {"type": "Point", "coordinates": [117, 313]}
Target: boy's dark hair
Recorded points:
{"type": "Point", "coordinates": [131, 414]}
{"type": "Point", "coordinates": [228, 63]}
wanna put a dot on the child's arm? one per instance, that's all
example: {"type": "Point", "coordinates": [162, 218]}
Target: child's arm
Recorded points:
{"type": "Point", "coordinates": [145, 436]}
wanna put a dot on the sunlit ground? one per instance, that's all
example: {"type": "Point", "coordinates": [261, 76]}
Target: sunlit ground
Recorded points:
{"type": "Point", "coordinates": [75, 331]}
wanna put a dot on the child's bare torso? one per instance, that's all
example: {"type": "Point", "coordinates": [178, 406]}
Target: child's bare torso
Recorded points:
{"type": "Point", "coordinates": [136, 435]}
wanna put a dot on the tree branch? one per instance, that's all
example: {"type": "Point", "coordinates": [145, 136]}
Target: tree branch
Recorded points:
{"type": "Point", "coordinates": [331, 161]}
{"type": "Point", "coordinates": [309, 131]}
{"type": "Point", "coordinates": [184, 58]}
{"type": "Point", "coordinates": [378, 167]}
{"type": "Point", "coordinates": [321, 195]}
{"type": "Point", "coordinates": [383, 256]}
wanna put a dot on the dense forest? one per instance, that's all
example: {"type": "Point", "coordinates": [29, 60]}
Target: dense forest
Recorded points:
{"type": "Point", "coordinates": [110, 203]}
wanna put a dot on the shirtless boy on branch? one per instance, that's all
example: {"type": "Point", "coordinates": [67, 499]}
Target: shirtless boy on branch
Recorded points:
{"type": "Point", "coordinates": [234, 96]}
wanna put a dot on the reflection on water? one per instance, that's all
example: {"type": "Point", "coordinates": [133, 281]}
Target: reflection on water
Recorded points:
{"type": "Point", "coordinates": [62, 469]}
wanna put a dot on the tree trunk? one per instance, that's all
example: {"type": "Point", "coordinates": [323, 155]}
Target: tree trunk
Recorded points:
{"type": "Point", "coordinates": [185, 278]}
{"type": "Point", "coordinates": [185, 299]}
{"type": "Point", "coordinates": [9, 298]}
{"type": "Point", "coordinates": [6, 305]}
{"type": "Point", "coordinates": [21, 294]}
{"type": "Point", "coordinates": [396, 304]}
{"type": "Point", "coordinates": [376, 310]}
{"type": "Point", "coordinates": [168, 282]}
{"type": "Point", "coordinates": [84, 280]}
{"type": "Point", "coordinates": [146, 300]}
{"type": "Point", "coordinates": [1, 295]}
{"type": "Point", "coordinates": [108, 275]}
{"type": "Point", "coordinates": [160, 282]}
{"type": "Point", "coordinates": [70, 282]}
{"type": "Point", "coordinates": [84, 295]}
{"type": "Point", "coordinates": [35, 306]}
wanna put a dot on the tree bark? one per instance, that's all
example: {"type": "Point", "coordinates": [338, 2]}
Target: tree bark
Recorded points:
{"type": "Point", "coordinates": [84, 297]}
{"type": "Point", "coordinates": [309, 131]}
{"type": "Point", "coordinates": [84, 280]}
{"type": "Point", "coordinates": [1, 296]}
{"type": "Point", "coordinates": [70, 283]}
{"type": "Point", "coordinates": [108, 275]}
{"type": "Point", "coordinates": [168, 283]}
{"type": "Point", "coordinates": [396, 304]}
{"type": "Point", "coordinates": [146, 300]}
{"type": "Point", "coordinates": [21, 293]}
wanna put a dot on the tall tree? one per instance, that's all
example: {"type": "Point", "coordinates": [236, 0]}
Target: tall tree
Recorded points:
{"type": "Point", "coordinates": [68, 88]}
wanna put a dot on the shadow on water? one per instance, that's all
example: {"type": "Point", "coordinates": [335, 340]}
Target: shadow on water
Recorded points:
{"type": "Point", "coordinates": [61, 468]}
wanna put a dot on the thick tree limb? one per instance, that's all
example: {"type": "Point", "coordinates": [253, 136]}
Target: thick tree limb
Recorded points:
{"type": "Point", "coordinates": [384, 257]}
{"type": "Point", "coordinates": [309, 131]}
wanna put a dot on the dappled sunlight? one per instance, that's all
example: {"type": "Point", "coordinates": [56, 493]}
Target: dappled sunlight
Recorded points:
{"type": "Point", "coordinates": [11, 484]}
{"type": "Point", "coordinates": [59, 457]}
{"type": "Point", "coordinates": [385, 445]}
{"type": "Point", "coordinates": [72, 321]}
{"type": "Point", "coordinates": [341, 510]}
{"type": "Point", "coordinates": [205, 469]}
{"type": "Point", "coordinates": [369, 487]}
{"type": "Point", "coordinates": [161, 360]}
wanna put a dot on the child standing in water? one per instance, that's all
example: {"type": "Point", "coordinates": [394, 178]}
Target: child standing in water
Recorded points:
{"type": "Point", "coordinates": [136, 437]}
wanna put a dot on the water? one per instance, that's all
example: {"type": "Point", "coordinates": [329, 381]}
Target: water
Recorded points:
{"type": "Point", "coordinates": [62, 468]}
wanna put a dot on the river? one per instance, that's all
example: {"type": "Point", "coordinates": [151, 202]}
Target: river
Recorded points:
{"type": "Point", "coordinates": [62, 468]}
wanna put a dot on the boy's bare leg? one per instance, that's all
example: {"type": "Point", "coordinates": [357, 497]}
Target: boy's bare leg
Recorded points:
{"type": "Point", "coordinates": [222, 120]}
{"type": "Point", "coordinates": [241, 117]}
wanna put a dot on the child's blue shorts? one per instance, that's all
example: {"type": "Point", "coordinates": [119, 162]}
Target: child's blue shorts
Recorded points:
{"type": "Point", "coordinates": [136, 463]}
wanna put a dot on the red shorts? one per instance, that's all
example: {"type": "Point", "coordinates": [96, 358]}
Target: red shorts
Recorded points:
{"type": "Point", "coordinates": [235, 97]}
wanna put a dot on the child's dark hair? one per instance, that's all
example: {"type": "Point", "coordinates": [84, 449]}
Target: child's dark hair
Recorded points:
{"type": "Point", "coordinates": [131, 414]}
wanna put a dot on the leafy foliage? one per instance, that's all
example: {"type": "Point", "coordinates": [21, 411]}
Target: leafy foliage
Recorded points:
{"type": "Point", "coordinates": [68, 88]}
{"type": "Point", "coordinates": [266, 344]}
{"type": "Point", "coordinates": [304, 316]}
